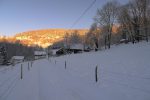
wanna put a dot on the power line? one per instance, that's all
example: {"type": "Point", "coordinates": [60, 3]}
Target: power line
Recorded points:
{"type": "Point", "coordinates": [89, 7]}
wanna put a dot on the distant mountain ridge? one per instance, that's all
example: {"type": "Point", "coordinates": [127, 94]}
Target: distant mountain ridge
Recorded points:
{"type": "Point", "coordinates": [42, 38]}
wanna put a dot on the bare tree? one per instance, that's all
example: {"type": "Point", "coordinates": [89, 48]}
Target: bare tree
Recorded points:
{"type": "Point", "coordinates": [134, 18]}
{"type": "Point", "coordinates": [93, 36]}
{"type": "Point", "coordinates": [138, 10]}
{"type": "Point", "coordinates": [66, 40]}
{"type": "Point", "coordinates": [106, 18]}
{"type": "Point", "coordinates": [124, 19]}
{"type": "Point", "coordinates": [146, 8]}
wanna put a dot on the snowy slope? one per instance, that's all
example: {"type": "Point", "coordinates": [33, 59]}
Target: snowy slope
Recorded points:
{"type": "Point", "coordinates": [123, 74]}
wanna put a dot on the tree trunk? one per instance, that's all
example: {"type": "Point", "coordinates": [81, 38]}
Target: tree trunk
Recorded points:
{"type": "Point", "coordinates": [105, 42]}
{"type": "Point", "coordinates": [146, 32]}
{"type": "Point", "coordinates": [145, 19]}
{"type": "Point", "coordinates": [138, 33]}
{"type": "Point", "coordinates": [108, 42]}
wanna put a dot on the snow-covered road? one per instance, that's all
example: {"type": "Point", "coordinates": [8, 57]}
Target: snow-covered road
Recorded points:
{"type": "Point", "coordinates": [46, 81]}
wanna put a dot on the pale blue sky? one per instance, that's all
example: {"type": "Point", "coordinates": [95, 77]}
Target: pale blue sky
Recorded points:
{"type": "Point", "coordinates": [24, 15]}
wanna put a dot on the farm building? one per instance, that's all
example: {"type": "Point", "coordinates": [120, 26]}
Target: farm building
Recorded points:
{"type": "Point", "coordinates": [17, 59]}
{"type": "Point", "coordinates": [77, 48]}
{"type": "Point", "coordinates": [39, 54]}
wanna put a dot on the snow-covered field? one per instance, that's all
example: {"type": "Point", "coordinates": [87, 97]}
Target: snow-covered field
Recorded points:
{"type": "Point", "coordinates": [123, 74]}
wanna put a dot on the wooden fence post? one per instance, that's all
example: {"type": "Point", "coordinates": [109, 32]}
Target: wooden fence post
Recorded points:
{"type": "Point", "coordinates": [65, 64]}
{"type": "Point", "coordinates": [28, 66]}
{"type": "Point", "coordinates": [21, 72]}
{"type": "Point", "coordinates": [96, 78]}
{"type": "Point", "coordinates": [31, 63]}
{"type": "Point", "coordinates": [55, 61]}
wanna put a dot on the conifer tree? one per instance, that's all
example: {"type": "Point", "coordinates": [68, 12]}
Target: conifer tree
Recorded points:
{"type": "Point", "coordinates": [3, 56]}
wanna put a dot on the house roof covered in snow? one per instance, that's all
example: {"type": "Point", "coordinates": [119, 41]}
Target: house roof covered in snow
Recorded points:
{"type": "Point", "coordinates": [39, 53]}
{"type": "Point", "coordinates": [18, 57]}
{"type": "Point", "coordinates": [77, 46]}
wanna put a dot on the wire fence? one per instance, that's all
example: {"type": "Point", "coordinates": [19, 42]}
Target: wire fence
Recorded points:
{"type": "Point", "coordinates": [7, 88]}
{"type": "Point", "coordinates": [12, 77]}
{"type": "Point", "coordinates": [104, 75]}
{"type": "Point", "coordinates": [118, 78]}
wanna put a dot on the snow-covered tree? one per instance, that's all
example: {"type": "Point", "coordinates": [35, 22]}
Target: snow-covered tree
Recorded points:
{"type": "Point", "coordinates": [75, 38]}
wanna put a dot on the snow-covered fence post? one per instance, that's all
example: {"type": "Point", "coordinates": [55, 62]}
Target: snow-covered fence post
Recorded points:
{"type": "Point", "coordinates": [50, 59]}
{"type": "Point", "coordinates": [65, 64]}
{"type": "Point", "coordinates": [55, 61]}
{"type": "Point", "coordinates": [28, 66]}
{"type": "Point", "coordinates": [21, 72]}
{"type": "Point", "coordinates": [96, 78]}
{"type": "Point", "coordinates": [31, 63]}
